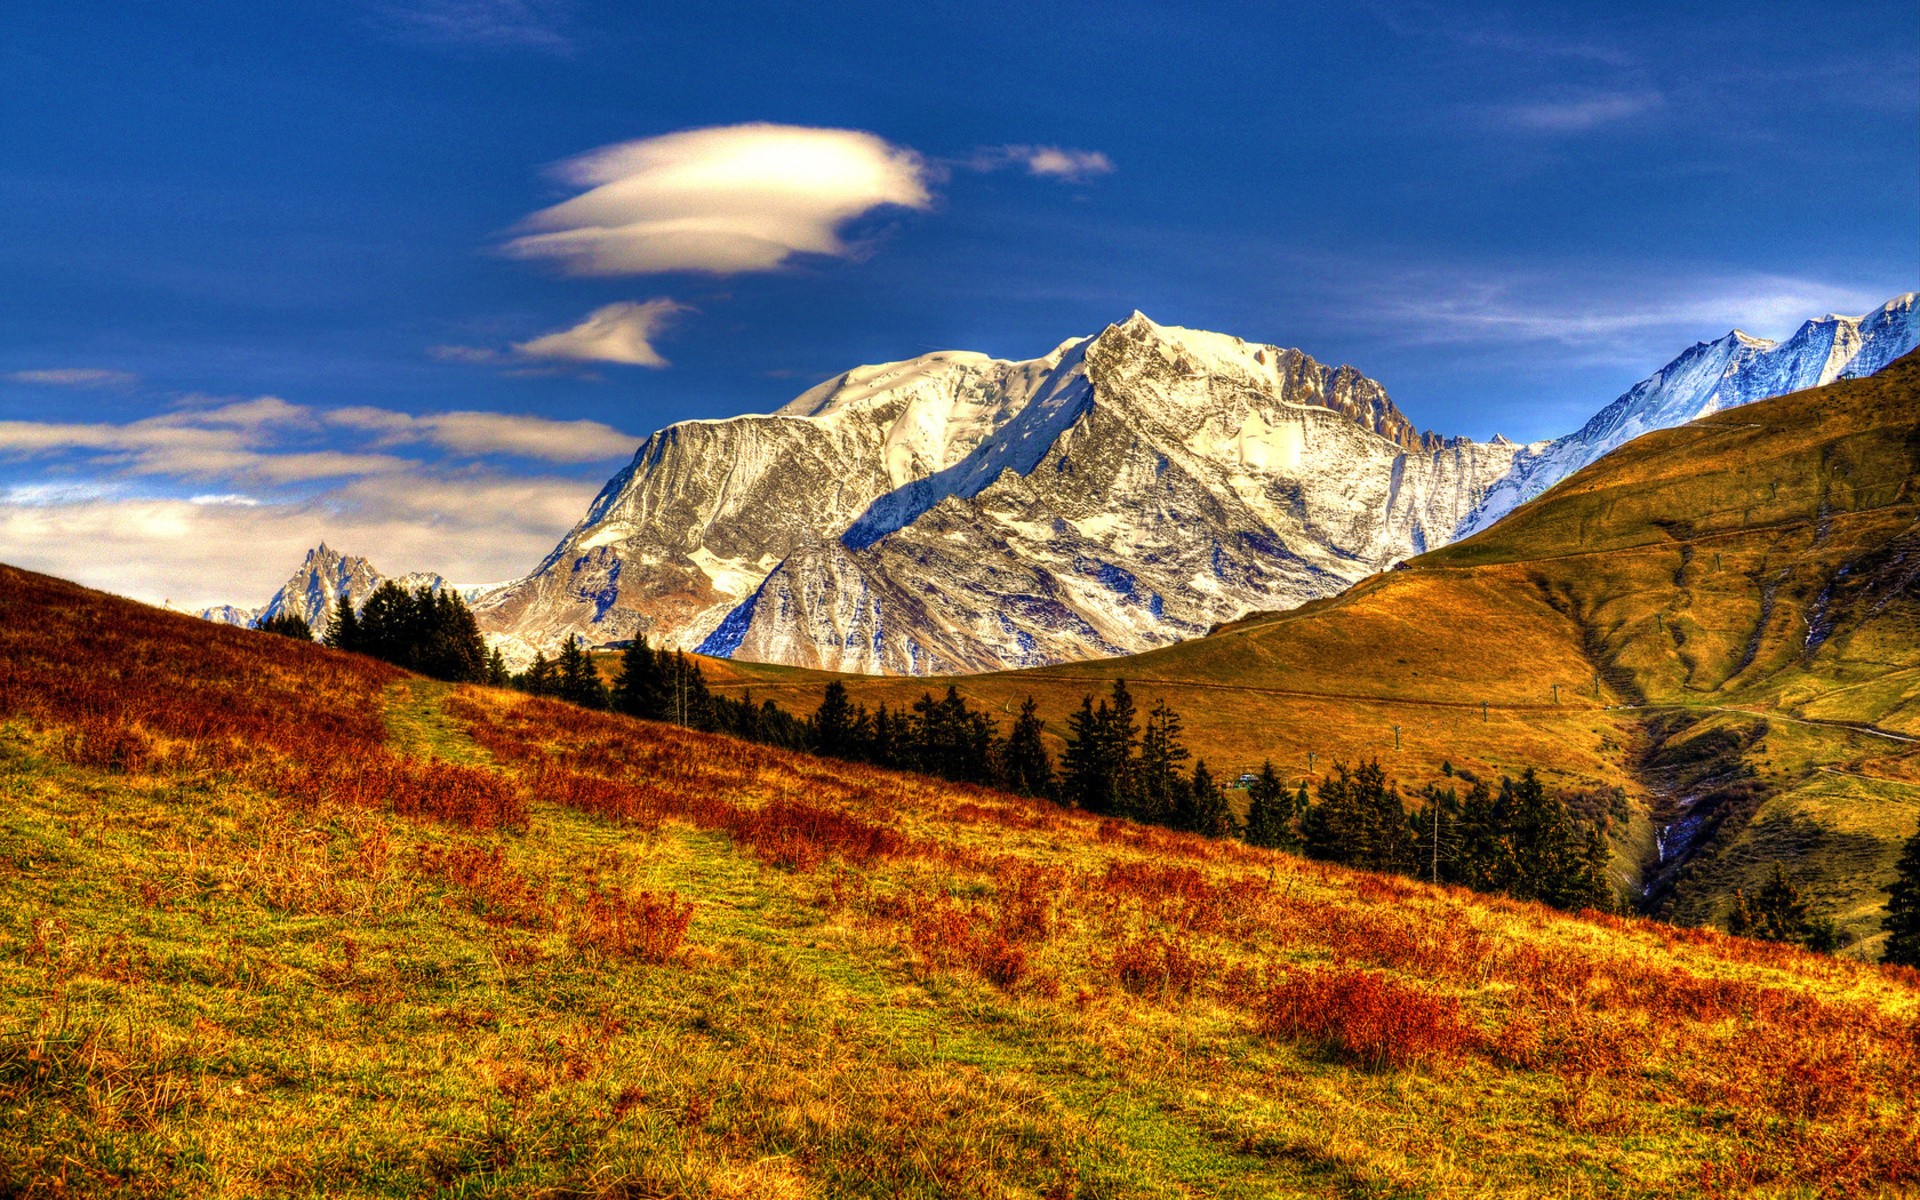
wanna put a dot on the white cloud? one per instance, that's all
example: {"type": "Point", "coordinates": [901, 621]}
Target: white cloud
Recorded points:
{"type": "Point", "coordinates": [126, 506]}
{"type": "Point", "coordinates": [721, 200]}
{"type": "Point", "coordinates": [208, 551]}
{"type": "Point", "coordinates": [76, 377]}
{"type": "Point", "coordinates": [249, 441]}
{"type": "Point", "coordinates": [616, 333]}
{"type": "Point", "coordinates": [1578, 114]}
{"type": "Point", "coordinates": [175, 445]}
{"type": "Point", "coordinates": [1051, 162]}
{"type": "Point", "coordinates": [481, 433]}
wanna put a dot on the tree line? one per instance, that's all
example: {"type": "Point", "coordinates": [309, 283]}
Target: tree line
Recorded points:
{"type": "Point", "coordinates": [1516, 839]}
{"type": "Point", "coordinates": [430, 632]}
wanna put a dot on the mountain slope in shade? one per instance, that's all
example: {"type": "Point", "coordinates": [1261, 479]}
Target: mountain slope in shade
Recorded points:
{"type": "Point", "coordinates": [1708, 378]}
{"type": "Point", "coordinates": [708, 509]}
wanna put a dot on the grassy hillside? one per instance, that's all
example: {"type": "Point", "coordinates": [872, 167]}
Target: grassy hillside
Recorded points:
{"type": "Point", "coordinates": [275, 919]}
{"type": "Point", "coordinates": [1721, 621]}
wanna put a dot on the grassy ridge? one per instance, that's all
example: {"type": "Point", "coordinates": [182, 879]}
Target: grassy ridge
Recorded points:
{"type": "Point", "coordinates": [1759, 567]}
{"type": "Point", "coordinates": [507, 947]}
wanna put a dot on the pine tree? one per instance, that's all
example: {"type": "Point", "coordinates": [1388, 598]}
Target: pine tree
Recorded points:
{"type": "Point", "coordinates": [1266, 805]}
{"type": "Point", "coordinates": [1159, 791]}
{"type": "Point", "coordinates": [542, 678]}
{"type": "Point", "coordinates": [1903, 909]}
{"type": "Point", "coordinates": [496, 668]}
{"type": "Point", "coordinates": [1087, 764]}
{"type": "Point", "coordinates": [443, 639]}
{"type": "Point", "coordinates": [1779, 912]}
{"type": "Point", "coordinates": [834, 729]}
{"type": "Point", "coordinates": [343, 627]}
{"type": "Point", "coordinates": [1203, 806]}
{"type": "Point", "coordinates": [640, 690]}
{"type": "Point", "coordinates": [388, 624]}
{"type": "Point", "coordinates": [1359, 821]}
{"type": "Point", "coordinates": [885, 738]}
{"type": "Point", "coordinates": [1025, 763]}
{"type": "Point", "coordinates": [1740, 917]}
{"type": "Point", "coordinates": [287, 625]}
{"type": "Point", "coordinates": [1331, 828]}
{"type": "Point", "coordinates": [578, 682]}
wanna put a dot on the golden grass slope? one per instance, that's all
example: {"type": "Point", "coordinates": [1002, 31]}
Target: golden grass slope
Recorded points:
{"type": "Point", "coordinates": [1684, 571]}
{"type": "Point", "coordinates": [641, 961]}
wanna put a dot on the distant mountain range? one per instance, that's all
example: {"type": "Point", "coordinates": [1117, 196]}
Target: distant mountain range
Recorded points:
{"type": "Point", "coordinates": [955, 512]}
{"type": "Point", "coordinates": [324, 580]}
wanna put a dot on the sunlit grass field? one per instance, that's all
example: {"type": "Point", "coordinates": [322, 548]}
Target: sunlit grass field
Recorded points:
{"type": "Point", "coordinates": [278, 920]}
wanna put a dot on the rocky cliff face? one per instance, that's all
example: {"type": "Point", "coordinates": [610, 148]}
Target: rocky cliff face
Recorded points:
{"type": "Point", "coordinates": [960, 512]}
{"type": "Point", "coordinates": [1176, 479]}
{"type": "Point", "coordinates": [707, 508]}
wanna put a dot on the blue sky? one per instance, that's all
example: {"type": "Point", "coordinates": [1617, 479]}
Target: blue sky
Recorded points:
{"type": "Point", "coordinates": [414, 275]}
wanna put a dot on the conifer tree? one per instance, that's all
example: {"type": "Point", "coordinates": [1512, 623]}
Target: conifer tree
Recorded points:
{"type": "Point", "coordinates": [834, 730]}
{"type": "Point", "coordinates": [388, 625]}
{"type": "Point", "coordinates": [1903, 909]}
{"type": "Point", "coordinates": [1159, 791]}
{"type": "Point", "coordinates": [1025, 763]}
{"type": "Point", "coordinates": [1267, 802]}
{"type": "Point", "coordinates": [1359, 821]}
{"type": "Point", "coordinates": [343, 627]}
{"type": "Point", "coordinates": [1087, 764]}
{"type": "Point", "coordinates": [1778, 913]}
{"type": "Point", "coordinates": [884, 739]}
{"type": "Point", "coordinates": [1203, 806]}
{"type": "Point", "coordinates": [640, 690]}
{"type": "Point", "coordinates": [287, 625]}
{"type": "Point", "coordinates": [578, 682]}
{"type": "Point", "coordinates": [542, 678]}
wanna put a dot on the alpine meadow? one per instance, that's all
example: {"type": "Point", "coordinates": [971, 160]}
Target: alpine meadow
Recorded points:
{"type": "Point", "coordinates": [1432, 713]}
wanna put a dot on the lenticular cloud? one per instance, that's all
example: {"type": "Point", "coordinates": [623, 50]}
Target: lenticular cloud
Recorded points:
{"type": "Point", "coordinates": [724, 200]}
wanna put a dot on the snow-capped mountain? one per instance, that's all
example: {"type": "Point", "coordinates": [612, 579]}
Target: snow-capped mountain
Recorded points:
{"type": "Point", "coordinates": [956, 512]}
{"type": "Point", "coordinates": [959, 512]}
{"type": "Point", "coordinates": [324, 579]}
{"type": "Point", "coordinates": [1708, 378]}
{"type": "Point", "coordinates": [1164, 480]}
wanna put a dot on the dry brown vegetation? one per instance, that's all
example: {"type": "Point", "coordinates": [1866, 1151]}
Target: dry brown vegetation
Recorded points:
{"type": "Point", "coordinates": [870, 983]}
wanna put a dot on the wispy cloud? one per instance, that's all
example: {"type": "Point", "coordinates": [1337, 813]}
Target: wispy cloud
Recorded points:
{"type": "Point", "coordinates": [1052, 162]}
{"type": "Point", "coordinates": [482, 433]}
{"type": "Point", "coordinates": [270, 441]}
{"type": "Point", "coordinates": [723, 200]}
{"type": "Point", "coordinates": [1602, 318]}
{"type": "Point", "coordinates": [1577, 113]}
{"type": "Point", "coordinates": [1453, 24]}
{"type": "Point", "coordinates": [616, 333]}
{"type": "Point", "coordinates": [75, 377]}
{"type": "Point", "coordinates": [480, 24]}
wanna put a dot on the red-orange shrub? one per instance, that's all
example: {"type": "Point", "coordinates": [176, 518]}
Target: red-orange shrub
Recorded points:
{"type": "Point", "coordinates": [1365, 1016]}
{"type": "Point", "coordinates": [646, 926]}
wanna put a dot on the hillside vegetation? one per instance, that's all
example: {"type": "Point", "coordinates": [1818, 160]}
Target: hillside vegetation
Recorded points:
{"type": "Point", "coordinates": [276, 919]}
{"type": "Point", "coordinates": [1720, 623]}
